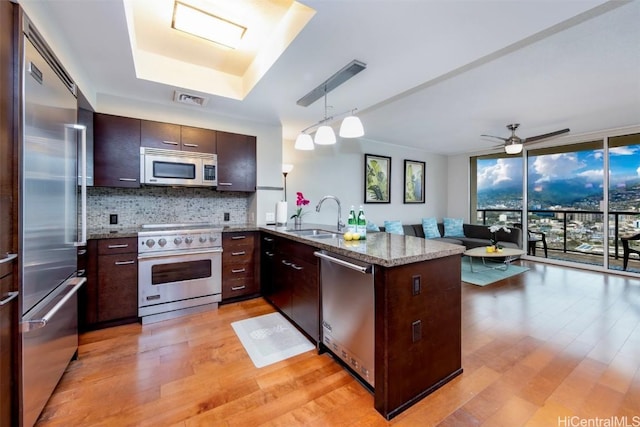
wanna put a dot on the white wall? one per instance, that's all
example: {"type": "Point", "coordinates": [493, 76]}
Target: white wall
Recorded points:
{"type": "Point", "coordinates": [458, 187]}
{"type": "Point", "coordinates": [339, 170]}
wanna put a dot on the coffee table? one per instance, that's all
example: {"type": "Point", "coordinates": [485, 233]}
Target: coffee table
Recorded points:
{"type": "Point", "coordinates": [509, 254]}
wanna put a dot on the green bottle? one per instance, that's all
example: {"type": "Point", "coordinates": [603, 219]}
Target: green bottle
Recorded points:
{"type": "Point", "coordinates": [352, 223]}
{"type": "Point", "coordinates": [362, 224]}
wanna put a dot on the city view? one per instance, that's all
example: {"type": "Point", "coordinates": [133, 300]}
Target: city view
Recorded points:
{"type": "Point", "coordinates": [566, 199]}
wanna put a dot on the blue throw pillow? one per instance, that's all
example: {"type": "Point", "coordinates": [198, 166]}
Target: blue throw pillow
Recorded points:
{"type": "Point", "coordinates": [393, 227]}
{"type": "Point", "coordinates": [453, 227]}
{"type": "Point", "coordinates": [371, 226]}
{"type": "Point", "coordinates": [430, 228]}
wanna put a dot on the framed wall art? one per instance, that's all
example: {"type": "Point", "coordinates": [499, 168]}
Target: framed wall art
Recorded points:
{"type": "Point", "coordinates": [413, 181]}
{"type": "Point", "coordinates": [377, 179]}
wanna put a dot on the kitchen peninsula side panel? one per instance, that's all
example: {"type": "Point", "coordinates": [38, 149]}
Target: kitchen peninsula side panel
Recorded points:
{"type": "Point", "coordinates": [418, 331]}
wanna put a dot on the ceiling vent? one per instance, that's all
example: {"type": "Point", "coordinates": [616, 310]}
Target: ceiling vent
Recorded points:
{"type": "Point", "coordinates": [189, 99]}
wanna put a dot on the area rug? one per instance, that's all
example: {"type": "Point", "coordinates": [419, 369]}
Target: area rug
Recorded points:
{"type": "Point", "coordinates": [486, 276]}
{"type": "Point", "coordinates": [270, 338]}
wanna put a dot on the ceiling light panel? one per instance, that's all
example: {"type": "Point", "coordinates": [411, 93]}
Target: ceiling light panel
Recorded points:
{"type": "Point", "coordinates": [199, 23]}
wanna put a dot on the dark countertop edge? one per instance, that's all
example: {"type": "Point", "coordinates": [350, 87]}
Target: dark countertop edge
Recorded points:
{"type": "Point", "coordinates": [440, 249]}
{"type": "Point", "coordinates": [120, 233]}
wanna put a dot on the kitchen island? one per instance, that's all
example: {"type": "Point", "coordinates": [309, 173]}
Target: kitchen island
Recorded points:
{"type": "Point", "coordinates": [417, 306]}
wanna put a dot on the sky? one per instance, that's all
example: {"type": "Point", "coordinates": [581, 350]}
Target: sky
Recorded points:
{"type": "Point", "coordinates": [589, 165]}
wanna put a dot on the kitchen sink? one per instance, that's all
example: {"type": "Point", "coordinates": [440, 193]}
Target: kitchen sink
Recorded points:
{"type": "Point", "coordinates": [313, 232]}
{"type": "Point", "coordinates": [324, 236]}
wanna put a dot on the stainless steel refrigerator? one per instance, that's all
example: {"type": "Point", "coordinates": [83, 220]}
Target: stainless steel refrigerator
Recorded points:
{"type": "Point", "coordinates": [48, 223]}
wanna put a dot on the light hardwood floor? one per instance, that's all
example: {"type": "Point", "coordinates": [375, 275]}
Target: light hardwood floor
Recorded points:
{"type": "Point", "coordinates": [538, 348]}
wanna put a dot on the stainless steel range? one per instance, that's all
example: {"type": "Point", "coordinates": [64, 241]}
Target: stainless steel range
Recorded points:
{"type": "Point", "coordinates": [179, 270]}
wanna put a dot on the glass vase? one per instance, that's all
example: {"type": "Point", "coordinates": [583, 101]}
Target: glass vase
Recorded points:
{"type": "Point", "coordinates": [297, 223]}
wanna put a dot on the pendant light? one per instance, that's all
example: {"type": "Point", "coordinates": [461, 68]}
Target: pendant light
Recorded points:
{"type": "Point", "coordinates": [304, 142]}
{"type": "Point", "coordinates": [325, 134]}
{"type": "Point", "coordinates": [351, 127]}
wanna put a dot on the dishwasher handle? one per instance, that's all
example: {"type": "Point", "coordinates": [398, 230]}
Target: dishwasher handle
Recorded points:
{"type": "Point", "coordinates": [359, 268]}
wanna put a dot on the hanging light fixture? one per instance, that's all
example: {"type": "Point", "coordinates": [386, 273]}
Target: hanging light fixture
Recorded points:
{"type": "Point", "coordinates": [351, 126]}
{"type": "Point", "coordinates": [304, 142]}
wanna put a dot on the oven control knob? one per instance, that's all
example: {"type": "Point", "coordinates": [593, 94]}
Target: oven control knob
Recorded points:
{"type": "Point", "coordinates": [177, 240]}
{"type": "Point", "coordinates": [162, 242]}
{"type": "Point", "coordinates": [203, 239]}
{"type": "Point", "coordinates": [188, 240]}
{"type": "Point", "coordinates": [150, 242]}
{"type": "Point", "coordinates": [212, 239]}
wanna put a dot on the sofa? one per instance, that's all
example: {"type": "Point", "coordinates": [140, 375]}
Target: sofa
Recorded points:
{"type": "Point", "coordinates": [475, 235]}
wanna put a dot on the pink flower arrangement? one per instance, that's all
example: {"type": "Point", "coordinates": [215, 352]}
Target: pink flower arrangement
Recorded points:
{"type": "Point", "coordinates": [300, 202]}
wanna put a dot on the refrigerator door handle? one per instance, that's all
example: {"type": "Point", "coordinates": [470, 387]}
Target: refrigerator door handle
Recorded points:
{"type": "Point", "coordinates": [33, 324]}
{"type": "Point", "coordinates": [83, 184]}
{"type": "Point", "coordinates": [10, 296]}
{"type": "Point", "coordinates": [9, 257]}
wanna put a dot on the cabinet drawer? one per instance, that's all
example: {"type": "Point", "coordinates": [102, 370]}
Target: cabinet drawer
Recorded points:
{"type": "Point", "coordinates": [237, 271]}
{"type": "Point", "coordinates": [117, 287]}
{"type": "Point", "coordinates": [238, 239]}
{"type": "Point", "coordinates": [117, 246]}
{"type": "Point", "coordinates": [239, 287]}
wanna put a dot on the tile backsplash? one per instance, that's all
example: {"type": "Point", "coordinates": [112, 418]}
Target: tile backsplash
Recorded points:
{"type": "Point", "coordinates": [164, 205]}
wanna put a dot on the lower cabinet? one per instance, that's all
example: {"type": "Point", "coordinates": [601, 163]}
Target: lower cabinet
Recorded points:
{"type": "Point", "coordinates": [111, 295]}
{"type": "Point", "coordinates": [294, 287]}
{"type": "Point", "coordinates": [240, 264]}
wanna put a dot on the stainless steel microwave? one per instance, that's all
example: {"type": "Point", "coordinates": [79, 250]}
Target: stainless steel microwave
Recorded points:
{"type": "Point", "coordinates": [173, 167]}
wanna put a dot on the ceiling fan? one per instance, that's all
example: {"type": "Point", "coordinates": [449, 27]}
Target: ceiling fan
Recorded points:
{"type": "Point", "coordinates": [513, 144]}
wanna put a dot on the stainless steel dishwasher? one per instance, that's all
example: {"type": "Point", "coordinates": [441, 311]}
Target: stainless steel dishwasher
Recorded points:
{"type": "Point", "coordinates": [348, 312]}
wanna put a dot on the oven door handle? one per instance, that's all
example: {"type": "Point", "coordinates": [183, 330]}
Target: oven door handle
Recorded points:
{"type": "Point", "coordinates": [177, 253]}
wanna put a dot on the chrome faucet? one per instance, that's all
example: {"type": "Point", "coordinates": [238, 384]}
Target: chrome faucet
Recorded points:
{"type": "Point", "coordinates": [340, 223]}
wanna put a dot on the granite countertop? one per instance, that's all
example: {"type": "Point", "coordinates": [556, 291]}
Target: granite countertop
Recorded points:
{"type": "Point", "coordinates": [385, 249]}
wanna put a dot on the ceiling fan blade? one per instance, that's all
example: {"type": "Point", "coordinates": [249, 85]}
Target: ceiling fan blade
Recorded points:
{"type": "Point", "coordinates": [545, 136]}
{"type": "Point", "coordinates": [497, 137]}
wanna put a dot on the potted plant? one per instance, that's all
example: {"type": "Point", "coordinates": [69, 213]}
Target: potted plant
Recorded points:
{"type": "Point", "coordinates": [300, 202]}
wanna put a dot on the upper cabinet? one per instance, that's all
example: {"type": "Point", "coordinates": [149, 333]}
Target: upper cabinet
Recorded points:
{"type": "Point", "coordinates": [175, 137]}
{"type": "Point", "coordinates": [117, 142]}
{"type": "Point", "coordinates": [236, 162]}
{"type": "Point", "coordinates": [116, 160]}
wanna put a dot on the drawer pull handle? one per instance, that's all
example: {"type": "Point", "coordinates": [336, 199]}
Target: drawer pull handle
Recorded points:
{"type": "Point", "coordinates": [297, 267]}
{"type": "Point", "coordinates": [287, 263]}
{"type": "Point", "coordinates": [225, 183]}
{"type": "Point", "coordinates": [269, 254]}
{"type": "Point", "coordinates": [124, 262]}
{"type": "Point", "coordinates": [82, 252]}
{"type": "Point", "coordinates": [189, 145]}
{"type": "Point", "coordinates": [239, 270]}
{"type": "Point", "coordinates": [238, 253]}
{"type": "Point", "coordinates": [238, 288]}
{"type": "Point", "coordinates": [118, 246]}
{"type": "Point", "coordinates": [127, 179]}
{"type": "Point", "coordinates": [268, 239]}
{"type": "Point", "coordinates": [10, 295]}
{"type": "Point", "coordinates": [9, 257]}
{"type": "Point", "coordinates": [170, 142]}
{"type": "Point", "coordinates": [238, 237]}
{"type": "Point", "coordinates": [81, 273]}
{"type": "Point", "coordinates": [152, 297]}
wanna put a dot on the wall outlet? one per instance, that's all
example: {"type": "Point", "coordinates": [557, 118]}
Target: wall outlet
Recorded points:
{"type": "Point", "coordinates": [113, 219]}
{"type": "Point", "coordinates": [271, 218]}
{"type": "Point", "coordinates": [226, 216]}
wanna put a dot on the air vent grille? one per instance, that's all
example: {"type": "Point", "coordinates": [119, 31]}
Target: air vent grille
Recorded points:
{"type": "Point", "coordinates": [189, 99]}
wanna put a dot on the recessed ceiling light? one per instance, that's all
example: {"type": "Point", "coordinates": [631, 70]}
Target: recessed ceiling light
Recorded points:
{"type": "Point", "coordinates": [207, 26]}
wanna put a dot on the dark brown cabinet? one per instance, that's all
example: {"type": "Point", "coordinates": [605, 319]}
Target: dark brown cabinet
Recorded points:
{"type": "Point", "coordinates": [294, 287]}
{"type": "Point", "coordinates": [236, 162]}
{"type": "Point", "coordinates": [116, 151]}
{"type": "Point", "coordinates": [175, 137]}
{"type": "Point", "coordinates": [8, 220]}
{"type": "Point", "coordinates": [240, 264]}
{"type": "Point", "coordinates": [112, 283]}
